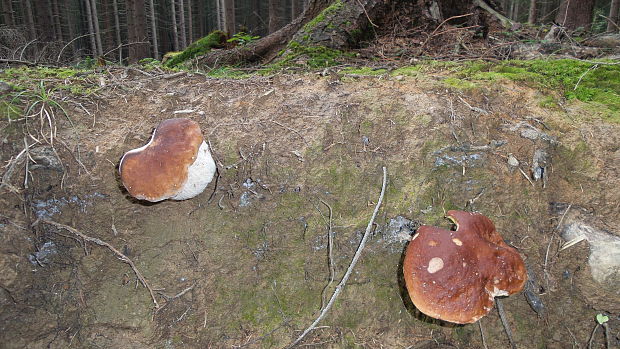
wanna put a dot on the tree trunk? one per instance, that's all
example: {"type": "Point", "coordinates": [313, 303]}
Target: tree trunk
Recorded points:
{"type": "Point", "coordinates": [531, 18]}
{"type": "Point", "coordinates": [255, 19]}
{"type": "Point", "coordinates": [612, 24]}
{"type": "Point", "coordinates": [229, 17]}
{"type": "Point", "coordinates": [117, 30]}
{"type": "Point", "coordinates": [190, 21]}
{"type": "Point", "coordinates": [96, 27]}
{"type": "Point", "coordinates": [574, 14]}
{"type": "Point", "coordinates": [108, 27]}
{"type": "Point", "coordinates": [136, 30]}
{"type": "Point", "coordinates": [91, 30]}
{"type": "Point", "coordinates": [201, 19]}
{"type": "Point", "coordinates": [7, 13]}
{"type": "Point", "coordinates": [154, 30]}
{"type": "Point", "coordinates": [175, 30]}
{"type": "Point", "coordinates": [296, 8]}
{"type": "Point", "coordinates": [182, 27]}
{"type": "Point", "coordinates": [268, 46]}
{"type": "Point", "coordinates": [69, 17]}
{"type": "Point", "coordinates": [274, 16]}
{"type": "Point", "coordinates": [218, 13]}
{"type": "Point", "coordinates": [57, 20]}
{"type": "Point", "coordinates": [336, 25]}
{"type": "Point", "coordinates": [547, 11]}
{"type": "Point", "coordinates": [515, 11]}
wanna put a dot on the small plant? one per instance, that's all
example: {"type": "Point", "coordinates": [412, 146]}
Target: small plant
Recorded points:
{"type": "Point", "coordinates": [601, 320]}
{"type": "Point", "coordinates": [243, 38]}
{"type": "Point", "coordinates": [44, 106]}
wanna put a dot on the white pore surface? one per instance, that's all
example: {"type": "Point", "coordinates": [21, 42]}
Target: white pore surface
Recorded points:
{"type": "Point", "coordinates": [200, 174]}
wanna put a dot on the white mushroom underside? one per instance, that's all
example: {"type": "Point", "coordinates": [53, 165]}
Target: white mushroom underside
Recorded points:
{"type": "Point", "coordinates": [199, 175]}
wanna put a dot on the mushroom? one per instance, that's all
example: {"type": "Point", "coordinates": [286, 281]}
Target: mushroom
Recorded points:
{"type": "Point", "coordinates": [455, 275]}
{"type": "Point", "coordinates": [175, 164]}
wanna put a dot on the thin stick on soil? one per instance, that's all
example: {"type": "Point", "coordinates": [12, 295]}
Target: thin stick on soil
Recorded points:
{"type": "Point", "coordinates": [346, 276]}
{"type": "Point", "coordinates": [121, 256]}
{"type": "Point", "coordinates": [502, 317]}
{"type": "Point", "coordinates": [484, 341]}
{"type": "Point", "coordinates": [330, 253]}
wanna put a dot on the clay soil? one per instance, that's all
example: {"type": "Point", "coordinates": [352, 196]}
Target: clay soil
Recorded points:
{"type": "Point", "coordinates": [245, 264]}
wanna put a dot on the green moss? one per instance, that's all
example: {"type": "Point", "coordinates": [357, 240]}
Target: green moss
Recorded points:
{"type": "Point", "coordinates": [598, 84]}
{"type": "Point", "coordinates": [460, 84]}
{"type": "Point", "coordinates": [25, 79]}
{"type": "Point", "coordinates": [298, 55]}
{"type": "Point", "coordinates": [407, 71]}
{"type": "Point", "coordinates": [198, 48]}
{"type": "Point", "coordinates": [548, 102]}
{"type": "Point", "coordinates": [228, 72]}
{"type": "Point", "coordinates": [363, 71]}
{"type": "Point", "coordinates": [10, 110]}
{"type": "Point", "coordinates": [325, 14]}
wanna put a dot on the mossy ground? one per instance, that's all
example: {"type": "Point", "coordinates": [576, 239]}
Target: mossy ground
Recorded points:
{"type": "Point", "coordinates": [199, 47]}
{"type": "Point", "coordinates": [256, 272]}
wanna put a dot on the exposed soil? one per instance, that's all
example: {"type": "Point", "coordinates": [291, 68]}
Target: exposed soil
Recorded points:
{"type": "Point", "coordinates": [248, 258]}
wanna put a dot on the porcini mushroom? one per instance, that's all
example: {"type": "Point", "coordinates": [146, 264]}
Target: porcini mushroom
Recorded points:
{"type": "Point", "coordinates": [175, 164]}
{"type": "Point", "coordinates": [455, 275]}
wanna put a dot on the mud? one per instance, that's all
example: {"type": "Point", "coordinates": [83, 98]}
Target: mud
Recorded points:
{"type": "Point", "coordinates": [245, 264]}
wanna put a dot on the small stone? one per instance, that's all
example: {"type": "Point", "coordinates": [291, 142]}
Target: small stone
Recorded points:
{"type": "Point", "coordinates": [399, 77]}
{"type": "Point", "coordinates": [4, 87]}
{"type": "Point", "coordinates": [512, 161]}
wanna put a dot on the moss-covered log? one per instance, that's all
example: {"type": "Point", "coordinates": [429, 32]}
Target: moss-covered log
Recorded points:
{"type": "Point", "coordinates": [337, 25]}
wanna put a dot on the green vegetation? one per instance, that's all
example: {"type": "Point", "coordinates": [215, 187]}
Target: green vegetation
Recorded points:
{"type": "Point", "coordinates": [149, 63]}
{"type": "Point", "coordinates": [364, 71]}
{"type": "Point", "coordinates": [228, 72]}
{"type": "Point", "coordinates": [198, 48]}
{"type": "Point", "coordinates": [298, 55]}
{"type": "Point", "coordinates": [243, 38]}
{"type": "Point", "coordinates": [321, 17]}
{"type": "Point", "coordinates": [596, 83]}
{"type": "Point", "coordinates": [76, 81]}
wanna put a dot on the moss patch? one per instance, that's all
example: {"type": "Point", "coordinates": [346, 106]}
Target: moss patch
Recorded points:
{"type": "Point", "coordinates": [595, 83]}
{"type": "Point", "coordinates": [298, 55]}
{"type": "Point", "coordinates": [325, 14]}
{"type": "Point", "coordinates": [198, 48]}
{"type": "Point", "coordinates": [364, 71]}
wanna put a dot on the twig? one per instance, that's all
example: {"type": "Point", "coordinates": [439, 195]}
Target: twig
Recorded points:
{"type": "Point", "coordinates": [290, 129]}
{"type": "Point", "coordinates": [6, 178]}
{"type": "Point", "coordinates": [592, 336]}
{"type": "Point", "coordinates": [69, 43]}
{"type": "Point", "coordinates": [584, 74]}
{"type": "Point", "coordinates": [17, 61]}
{"type": "Point", "coordinates": [440, 25]}
{"type": "Point", "coordinates": [120, 255]}
{"type": "Point", "coordinates": [367, 16]}
{"type": "Point", "coordinates": [330, 254]}
{"type": "Point", "coordinates": [346, 276]}
{"type": "Point", "coordinates": [610, 21]}
{"type": "Point", "coordinates": [526, 177]}
{"type": "Point", "coordinates": [607, 339]}
{"type": "Point", "coordinates": [123, 45]}
{"type": "Point", "coordinates": [502, 317]}
{"type": "Point", "coordinates": [484, 341]}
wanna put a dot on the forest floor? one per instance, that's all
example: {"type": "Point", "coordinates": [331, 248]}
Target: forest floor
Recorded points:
{"type": "Point", "coordinates": [246, 264]}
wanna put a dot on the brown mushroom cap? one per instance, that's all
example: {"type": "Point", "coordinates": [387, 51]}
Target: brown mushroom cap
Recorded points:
{"type": "Point", "coordinates": [455, 275]}
{"type": "Point", "coordinates": [158, 170]}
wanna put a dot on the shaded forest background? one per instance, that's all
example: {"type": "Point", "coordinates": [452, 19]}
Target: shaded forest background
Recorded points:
{"type": "Point", "coordinates": [68, 31]}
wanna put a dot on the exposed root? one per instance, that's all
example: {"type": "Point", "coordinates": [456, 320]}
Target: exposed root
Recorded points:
{"type": "Point", "coordinates": [120, 255]}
